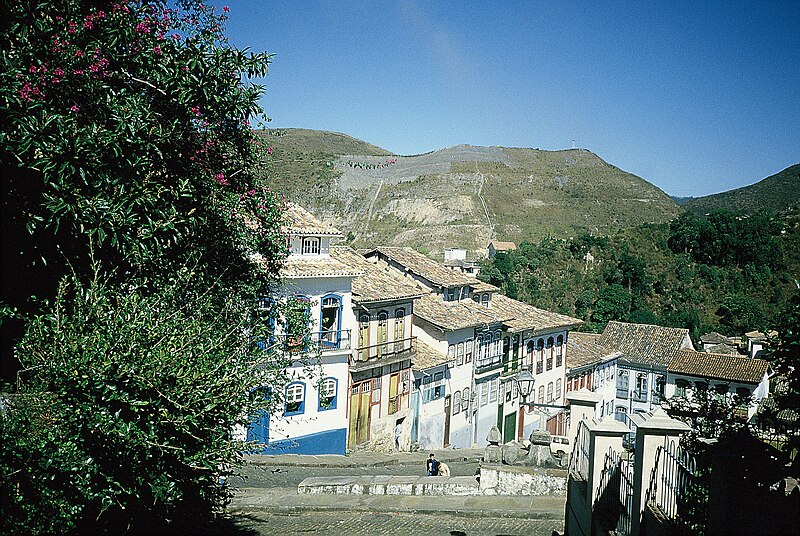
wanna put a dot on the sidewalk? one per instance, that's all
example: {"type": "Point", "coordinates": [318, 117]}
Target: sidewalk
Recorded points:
{"type": "Point", "coordinates": [287, 501]}
{"type": "Point", "coordinates": [363, 458]}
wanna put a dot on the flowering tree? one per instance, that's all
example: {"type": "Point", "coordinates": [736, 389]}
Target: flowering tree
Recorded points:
{"type": "Point", "coordinates": [132, 205]}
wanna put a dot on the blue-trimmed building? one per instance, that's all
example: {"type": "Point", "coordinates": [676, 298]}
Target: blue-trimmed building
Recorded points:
{"type": "Point", "coordinates": [313, 416]}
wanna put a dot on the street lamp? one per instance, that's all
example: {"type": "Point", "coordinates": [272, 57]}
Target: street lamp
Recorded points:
{"type": "Point", "coordinates": [525, 381]}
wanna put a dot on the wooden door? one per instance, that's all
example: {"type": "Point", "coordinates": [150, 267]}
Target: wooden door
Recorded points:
{"type": "Point", "coordinates": [383, 332]}
{"type": "Point", "coordinates": [446, 421]}
{"type": "Point", "coordinates": [358, 429]}
{"type": "Point", "coordinates": [509, 427]}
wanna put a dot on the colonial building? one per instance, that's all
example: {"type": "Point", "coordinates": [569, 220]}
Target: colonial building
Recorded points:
{"type": "Point", "coordinates": [313, 416]}
{"type": "Point", "coordinates": [634, 368]}
{"type": "Point", "coordinates": [487, 339]}
{"type": "Point", "coordinates": [746, 378]}
{"type": "Point", "coordinates": [380, 363]}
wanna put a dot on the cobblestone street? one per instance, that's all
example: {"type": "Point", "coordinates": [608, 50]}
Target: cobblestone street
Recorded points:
{"type": "Point", "coordinates": [343, 523]}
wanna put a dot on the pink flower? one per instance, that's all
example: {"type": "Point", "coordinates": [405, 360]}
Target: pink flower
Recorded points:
{"type": "Point", "coordinates": [157, 49]}
{"type": "Point", "coordinates": [226, 9]}
{"type": "Point", "coordinates": [79, 53]}
{"type": "Point", "coordinates": [220, 178]}
{"type": "Point", "coordinates": [269, 150]}
{"type": "Point", "coordinates": [74, 108]}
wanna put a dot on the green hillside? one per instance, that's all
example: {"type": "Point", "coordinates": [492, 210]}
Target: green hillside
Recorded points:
{"type": "Point", "coordinates": [460, 196]}
{"type": "Point", "coordinates": [774, 194]}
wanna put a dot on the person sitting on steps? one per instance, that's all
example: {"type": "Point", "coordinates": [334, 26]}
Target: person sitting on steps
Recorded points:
{"type": "Point", "coordinates": [444, 469]}
{"type": "Point", "coordinates": [432, 465]}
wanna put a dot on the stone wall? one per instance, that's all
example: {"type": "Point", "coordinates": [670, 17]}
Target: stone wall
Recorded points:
{"type": "Point", "coordinates": [495, 480]}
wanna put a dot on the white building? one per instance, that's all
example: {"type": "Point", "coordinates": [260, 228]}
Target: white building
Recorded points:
{"type": "Point", "coordinates": [313, 416]}
{"type": "Point", "coordinates": [486, 338]}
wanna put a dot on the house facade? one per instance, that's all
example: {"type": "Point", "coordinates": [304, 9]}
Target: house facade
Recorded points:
{"type": "Point", "coordinates": [384, 345]}
{"type": "Point", "coordinates": [485, 339]}
{"type": "Point", "coordinates": [313, 415]}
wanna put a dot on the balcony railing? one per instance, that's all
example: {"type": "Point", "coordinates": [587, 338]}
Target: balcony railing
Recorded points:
{"type": "Point", "coordinates": [385, 350]}
{"type": "Point", "coordinates": [488, 363]}
{"type": "Point", "coordinates": [640, 396]}
{"type": "Point", "coordinates": [325, 341]}
{"type": "Point", "coordinates": [622, 392]}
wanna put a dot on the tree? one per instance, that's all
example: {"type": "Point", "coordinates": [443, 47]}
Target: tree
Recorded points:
{"type": "Point", "coordinates": [613, 303]}
{"type": "Point", "coordinates": [126, 141]}
{"type": "Point", "coordinates": [133, 205]}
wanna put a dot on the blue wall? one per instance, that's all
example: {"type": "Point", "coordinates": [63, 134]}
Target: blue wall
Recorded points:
{"type": "Point", "coordinates": [327, 442]}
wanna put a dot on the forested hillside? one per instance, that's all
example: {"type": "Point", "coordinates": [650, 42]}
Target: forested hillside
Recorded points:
{"type": "Point", "coordinates": [721, 272]}
{"type": "Point", "coordinates": [776, 193]}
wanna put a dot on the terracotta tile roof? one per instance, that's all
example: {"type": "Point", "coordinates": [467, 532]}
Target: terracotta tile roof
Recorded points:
{"type": "Point", "coordinates": [322, 266]}
{"type": "Point", "coordinates": [377, 283]}
{"type": "Point", "coordinates": [521, 316]}
{"type": "Point", "coordinates": [482, 286]}
{"type": "Point", "coordinates": [718, 366]}
{"type": "Point", "coordinates": [645, 344]}
{"type": "Point", "coordinates": [586, 349]}
{"type": "Point", "coordinates": [297, 220]}
{"type": "Point", "coordinates": [454, 315]}
{"type": "Point", "coordinates": [722, 348]}
{"type": "Point", "coordinates": [503, 246]}
{"type": "Point", "coordinates": [426, 357]}
{"type": "Point", "coordinates": [716, 338]}
{"type": "Point", "coordinates": [419, 264]}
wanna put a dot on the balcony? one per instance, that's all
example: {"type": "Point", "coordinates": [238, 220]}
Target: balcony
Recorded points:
{"type": "Point", "coordinates": [385, 351]}
{"type": "Point", "coordinates": [325, 341]}
{"type": "Point", "coordinates": [488, 363]}
{"type": "Point", "coordinates": [622, 392]}
{"type": "Point", "coordinates": [640, 396]}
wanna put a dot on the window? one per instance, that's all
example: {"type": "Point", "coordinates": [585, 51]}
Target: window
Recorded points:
{"type": "Point", "coordinates": [310, 246]}
{"type": "Point", "coordinates": [485, 300]}
{"type": "Point", "coordinates": [330, 320]}
{"type": "Point", "coordinates": [376, 390]}
{"type": "Point", "coordinates": [295, 399]}
{"type": "Point", "coordinates": [484, 393]}
{"type": "Point", "coordinates": [721, 388]}
{"type": "Point", "coordinates": [539, 356]}
{"type": "Point", "coordinates": [621, 414]}
{"type": "Point", "coordinates": [558, 388]}
{"type": "Point", "coordinates": [622, 384]}
{"type": "Point", "coordinates": [465, 399]}
{"type": "Point", "coordinates": [701, 386]}
{"type": "Point", "coordinates": [327, 394]}
{"type": "Point", "coordinates": [493, 384]}
{"type": "Point", "coordinates": [451, 353]}
{"type": "Point", "coordinates": [661, 388]}
{"type": "Point", "coordinates": [383, 332]}
{"type": "Point", "coordinates": [456, 402]}
{"type": "Point", "coordinates": [541, 394]}
{"type": "Point", "coordinates": [559, 351]}
{"type": "Point", "coordinates": [450, 294]}
{"type": "Point", "coordinates": [460, 354]}
{"type": "Point", "coordinates": [468, 346]}
{"type": "Point", "coordinates": [550, 353]}
{"type": "Point", "coordinates": [399, 329]}
{"type": "Point", "coordinates": [641, 387]}
{"type": "Point", "coordinates": [549, 392]}
{"type": "Point", "coordinates": [680, 387]}
{"type": "Point", "coordinates": [363, 336]}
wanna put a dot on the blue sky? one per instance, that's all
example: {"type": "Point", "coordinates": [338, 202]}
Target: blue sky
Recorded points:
{"type": "Point", "coordinates": [695, 97]}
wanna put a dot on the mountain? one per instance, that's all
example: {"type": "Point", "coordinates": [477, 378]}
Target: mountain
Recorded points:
{"type": "Point", "coordinates": [776, 193]}
{"type": "Point", "coordinates": [462, 196]}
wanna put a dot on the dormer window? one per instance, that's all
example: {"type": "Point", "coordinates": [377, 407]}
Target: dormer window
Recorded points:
{"type": "Point", "coordinates": [485, 300]}
{"type": "Point", "coordinates": [310, 245]}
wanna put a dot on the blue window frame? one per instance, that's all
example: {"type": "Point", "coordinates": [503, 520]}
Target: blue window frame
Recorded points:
{"type": "Point", "coordinates": [328, 391]}
{"type": "Point", "coordinates": [330, 321]}
{"type": "Point", "coordinates": [295, 402]}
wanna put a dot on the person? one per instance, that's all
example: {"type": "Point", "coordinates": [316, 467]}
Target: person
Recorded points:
{"type": "Point", "coordinates": [444, 469]}
{"type": "Point", "coordinates": [398, 435]}
{"type": "Point", "coordinates": [432, 465]}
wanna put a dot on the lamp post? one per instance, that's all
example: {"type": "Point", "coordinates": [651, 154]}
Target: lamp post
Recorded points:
{"type": "Point", "coordinates": [525, 381]}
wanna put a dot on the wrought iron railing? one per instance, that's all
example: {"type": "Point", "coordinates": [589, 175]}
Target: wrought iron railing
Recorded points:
{"type": "Point", "coordinates": [677, 488]}
{"type": "Point", "coordinates": [384, 350]}
{"type": "Point", "coordinates": [579, 458]}
{"type": "Point", "coordinates": [325, 341]}
{"type": "Point", "coordinates": [488, 363]}
{"type": "Point", "coordinates": [614, 497]}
